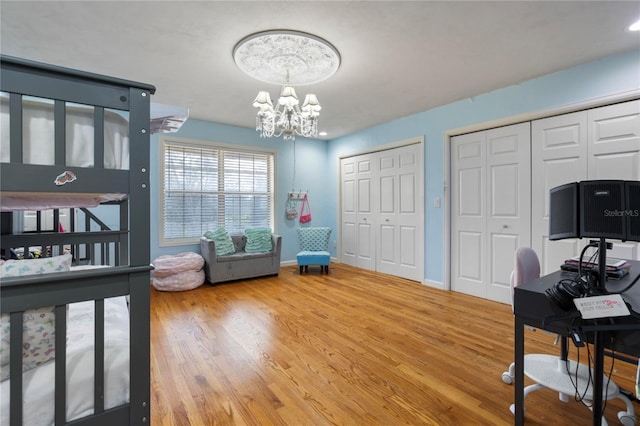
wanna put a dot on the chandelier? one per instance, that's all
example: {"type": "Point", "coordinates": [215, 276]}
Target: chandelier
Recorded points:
{"type": "Point", "coordinates": [286, 58]}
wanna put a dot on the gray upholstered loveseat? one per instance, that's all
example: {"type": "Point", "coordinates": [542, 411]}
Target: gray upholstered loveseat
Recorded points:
{"type": "Point", "coordinates": [240, 264]}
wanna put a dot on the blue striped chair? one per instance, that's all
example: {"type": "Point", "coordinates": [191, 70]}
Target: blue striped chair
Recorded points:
{"type": "Point", "coordinates": [314, 248]}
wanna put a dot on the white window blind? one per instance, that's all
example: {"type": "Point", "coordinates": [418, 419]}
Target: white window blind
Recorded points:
{"type": "Point", "coordinates": [205, 187]}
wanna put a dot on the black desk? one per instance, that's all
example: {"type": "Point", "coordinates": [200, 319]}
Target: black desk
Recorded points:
{"type": "Point", "coordinates": [532, 307]}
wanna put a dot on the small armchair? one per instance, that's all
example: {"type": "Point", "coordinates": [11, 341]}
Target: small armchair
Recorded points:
{"type": "Point", "coordinates": [314, 248]}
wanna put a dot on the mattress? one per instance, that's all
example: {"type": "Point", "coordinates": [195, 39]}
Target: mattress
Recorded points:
{"type": "Point", "coordinates": [38, 383]}
{"type": "Point", "coordinates": [17, 201]}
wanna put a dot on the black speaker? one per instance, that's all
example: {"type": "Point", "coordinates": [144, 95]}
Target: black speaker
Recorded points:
{"type": "Point", "coordinates": [563, 212]}
{"type": "Point", "coordinates": [602, 209]}
{"type": "Point", "coordinates": [632, 198]}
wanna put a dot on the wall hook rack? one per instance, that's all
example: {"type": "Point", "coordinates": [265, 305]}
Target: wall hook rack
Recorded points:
{"type": "Point", "coordinates": [297, 195]}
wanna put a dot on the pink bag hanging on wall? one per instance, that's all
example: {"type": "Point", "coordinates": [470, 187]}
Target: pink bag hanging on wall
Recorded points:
{"type": "Point", "coordinates": [305, 210]}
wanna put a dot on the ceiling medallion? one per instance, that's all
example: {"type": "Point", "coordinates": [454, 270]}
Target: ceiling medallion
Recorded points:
{"type": "Point", "coordinates": [269, 56]}
{"type": "Point", "coordinates": [286, 58]}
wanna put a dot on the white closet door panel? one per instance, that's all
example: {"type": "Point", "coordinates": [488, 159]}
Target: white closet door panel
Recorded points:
{"type": "Point", "coordinates": [349, 196]}
{"type": "Point", "coordinates": [509, 204]}
{"type": "Point", "coordinates": [470, 265]}
{"type": "Point", "coordinates": [387, 161]}
{"type": "Point", "coordinates": [620, 165]}
{"type": "Point", "coordinates": [366, 196]}
{"type": "Point", "coordinates": [614, 128]}
{"type": "Point", "coordinates": [558, 251]}
{"type": "Point", "coordinates": [388, 253]}
{"type": "Point", "coordinates": [349, 243]}
{"type": "Point", "coordinates": [387, 194]}
{"type": "Point", "coordinates": [503, 247]}
{"type": "Point", "coordinates": [388, 245]}
{"type": "Point", "coordinates": [348, 235]}
{"type": "Point", "coordinates": [409, 239]}
{"type": "Point", "coordinates": [614, 141]}
{"type": "Point", "coordinates": [365, 255]}
{"type": "Point", "coordinates": [468, 158]}
{"type": "Point", "coordinates": [561, 135]}
{"type": "Point", "coordinates": [504, 181]}
{"type": "Point", "coordinates": [408, 191]}
{"type": "Point", "coordinates": [557, 172]}
{"type": "Point", "coordinates": [559, 156]}
{"type": "Point", "coordinates": [470, 201]}
{"type": "Point", "coordinates": [410, 221]}
{"type": "Point", "coordinates": [348, 168]}
{"type": "Point", "coordinates": [400, 220]}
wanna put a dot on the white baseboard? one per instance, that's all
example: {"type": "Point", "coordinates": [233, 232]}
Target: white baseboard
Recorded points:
{"type": "Point", "coordinates": [435, 284]}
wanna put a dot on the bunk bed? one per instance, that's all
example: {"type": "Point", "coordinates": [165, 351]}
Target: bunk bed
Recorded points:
{"type": "Point", "coordinates": [79, 141]}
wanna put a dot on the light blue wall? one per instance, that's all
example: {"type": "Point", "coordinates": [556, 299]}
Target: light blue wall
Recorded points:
{"type": "Point", "coordinates": [615, 74]}
{"type": "Point", "coordinates": [311, 160]}
{"type": "Point", "coordinates": [317, 161]}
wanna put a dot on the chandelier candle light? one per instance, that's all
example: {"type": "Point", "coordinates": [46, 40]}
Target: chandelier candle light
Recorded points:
{"type": "Point", "coordinates": [285, 57]}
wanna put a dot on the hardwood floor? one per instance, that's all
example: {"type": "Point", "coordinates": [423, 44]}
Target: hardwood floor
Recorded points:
{"type": "Point", "coordinates": [349, 348]}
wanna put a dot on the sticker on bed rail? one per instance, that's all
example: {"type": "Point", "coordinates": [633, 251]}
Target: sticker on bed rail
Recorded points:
{"type": "Point", "coordinates": [64, 178]}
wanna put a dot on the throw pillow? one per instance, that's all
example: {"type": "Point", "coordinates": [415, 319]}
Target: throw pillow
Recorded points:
{"type": "Point", "coordinates": [43, 265]}
{"type": "Point", "coordinates": [258, 240]}
{"type": "Point", "coordinates": [224, 243]}
{"type": "Point", "coordinates": [38, 330]}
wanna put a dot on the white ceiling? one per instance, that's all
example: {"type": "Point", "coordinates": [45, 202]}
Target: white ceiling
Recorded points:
{"type": "Point", "coordinates": [398, 57]}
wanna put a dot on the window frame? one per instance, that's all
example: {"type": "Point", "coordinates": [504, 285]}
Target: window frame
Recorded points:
{"type": "Point", "coordinates": [168, 141]}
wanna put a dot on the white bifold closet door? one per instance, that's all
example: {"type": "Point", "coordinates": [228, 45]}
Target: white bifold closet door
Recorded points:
{"type": "Point", "coordinates": [382, 211]}
{"type": "Point", "coordinates": [600, 143]}
{"type": "Point", "coordinates": [500, 182]}
{"type": "Point", "coordinates": [357, 236]}
{"type": "Point", "coordinates": [490, 208]}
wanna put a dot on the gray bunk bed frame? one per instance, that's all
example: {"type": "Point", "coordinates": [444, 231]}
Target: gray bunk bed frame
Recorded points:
{"type": "Point", "coordinates": [130, 276]}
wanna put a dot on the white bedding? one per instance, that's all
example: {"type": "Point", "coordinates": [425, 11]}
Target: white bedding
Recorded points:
{"type": "Point", "coordinates": [38, 384]}
{"type": "Point", "coordinates": [38, 135]}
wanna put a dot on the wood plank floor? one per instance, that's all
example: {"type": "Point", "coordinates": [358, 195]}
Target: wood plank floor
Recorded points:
{"type": "Point", "coordinates": [349, 348]}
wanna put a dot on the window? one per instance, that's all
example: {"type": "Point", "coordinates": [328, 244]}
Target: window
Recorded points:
{"type": "Point", "coordinates": [206, 186]}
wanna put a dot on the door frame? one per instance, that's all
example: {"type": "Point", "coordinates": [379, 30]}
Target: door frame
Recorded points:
{"type": "Point", "coordinates": [417, 140]}
{"type": "Point", "coordinates": [500, 122]}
